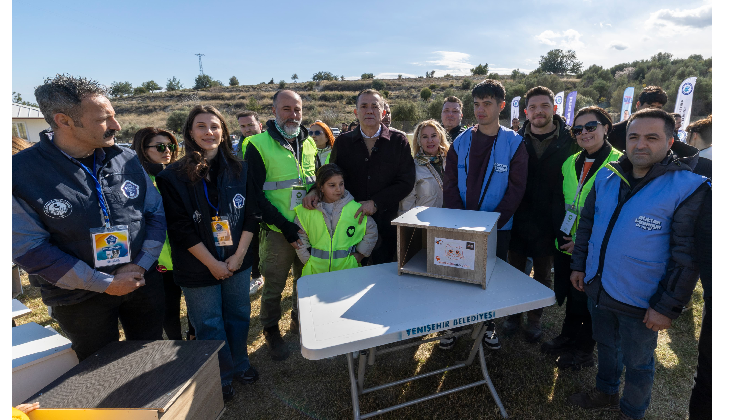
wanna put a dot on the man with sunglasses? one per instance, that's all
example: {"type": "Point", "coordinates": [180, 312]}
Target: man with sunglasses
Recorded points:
{"type": "Point", "coordinates": [90, 223]}
{"type": "Point", "coordinates": [635, 258]}
{"type": "Point", "coordinates": [549, 144]}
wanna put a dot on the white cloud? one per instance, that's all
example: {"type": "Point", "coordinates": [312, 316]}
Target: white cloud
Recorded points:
{"type": "Point", "coordinates": [603, 24]}
{"type": "Point", "coordinates": [618, 46]}
{"type": "Point", "coordinates": [569, 39]}
{"type": "Point", "coordinates": [393, 75]}
{"type": "Point", "coordinates": [454, 62]}
{"type": "Point", "coordinates": [681, 20]}
{"type": "Point", "coordinates": [352, 77]}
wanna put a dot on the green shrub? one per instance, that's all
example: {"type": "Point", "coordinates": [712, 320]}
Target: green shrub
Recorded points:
{"type": "Point", "coordinates": [252, 104]}
{"type": "Point", "coordinates": [174, 84]}
{"type": "Point", "coordinates": [175, 122]}
{"type": "Point", "coordinates": [366, 76]}
{"type": "Point", "coordinates": [203, 81]}
{"type": "Point", "coordinates": [282, 84]}
{"type": "Point", "coordinates": [310, 85]}
{"type": "Point", "coordinates": [378, 84]}
{"type": "Point", "coordinates": [434, 110]}
{"type": "Point", "coordinates": [466, 84]}
{"type": "Point", "coordinates": [433, 87]}
{"type": "Point", "coordinates": [234, 81]}
{"type": "Point", "coordinates": [385, 94]}
{"type": "Point", "coordinates": [425, 93]}
{"type": "Point", "coordinates": [139, 90]}
{"type": "Point", "coordinates": [406, 111]}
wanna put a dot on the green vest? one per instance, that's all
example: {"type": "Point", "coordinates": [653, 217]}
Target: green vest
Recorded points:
{"type": "Point", "coordinates": [165, 258]}
{"type": "Point", "coordinates": [570, 184]}
{"type": "Point", "coordinates": [282, 172]}
{"type": "Point", "coordinates": [244, 145]}
{"type": "Point", "coordinates": [331, 253]}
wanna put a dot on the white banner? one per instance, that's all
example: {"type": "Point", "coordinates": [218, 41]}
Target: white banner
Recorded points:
{"type": "Point", "coordinates": [683, 105]}
{"type": "Point", "coordinates": [627, 103]}
{"type": "Point", "coordinates": [515, 109]}
{"type": "Point", "coordinates": [559, 103]}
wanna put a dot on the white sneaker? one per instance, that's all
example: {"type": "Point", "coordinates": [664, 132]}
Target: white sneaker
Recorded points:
{"type": "Point", "coordinates": [255, 285]}
{"type": "Point", "coordinates": [447, 343]}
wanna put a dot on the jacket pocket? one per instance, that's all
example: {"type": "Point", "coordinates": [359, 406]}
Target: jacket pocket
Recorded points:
{"type": "Point", "coordinates": [651, 272]}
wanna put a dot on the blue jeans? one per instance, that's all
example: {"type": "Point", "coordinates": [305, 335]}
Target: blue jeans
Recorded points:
{"type": "Point", "coordinates": [222, 312]}
{"type": "Point", "coordinates": [624, 340]}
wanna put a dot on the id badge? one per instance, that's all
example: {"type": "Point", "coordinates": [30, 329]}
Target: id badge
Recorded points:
{"type": "Point", "coordinates": [298, 192]}
{"type": "Point", "coordinates": [111, 245]}
{"type": "Point", "coordinates": [569, 219]}
{"type": "Point", "coordinates": [221, 231]}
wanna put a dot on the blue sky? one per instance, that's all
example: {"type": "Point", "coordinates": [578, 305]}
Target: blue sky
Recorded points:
{"type": "Point", "coordinates": [137, 41]}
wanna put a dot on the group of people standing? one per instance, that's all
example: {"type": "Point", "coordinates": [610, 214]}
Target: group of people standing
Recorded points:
{"type": "Point", "coordinates": [292, 199]}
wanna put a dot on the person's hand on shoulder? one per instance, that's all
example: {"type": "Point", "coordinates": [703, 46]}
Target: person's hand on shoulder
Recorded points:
{"type": "Point", "coordinates": [311, 200]}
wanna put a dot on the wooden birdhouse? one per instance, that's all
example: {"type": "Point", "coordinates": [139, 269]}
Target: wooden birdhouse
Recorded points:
{"type": "Point", "coordinates": [447, 243]}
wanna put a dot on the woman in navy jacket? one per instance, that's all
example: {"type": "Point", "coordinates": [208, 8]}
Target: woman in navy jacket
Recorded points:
{"type": "Point", "coordinates": [210, 232]}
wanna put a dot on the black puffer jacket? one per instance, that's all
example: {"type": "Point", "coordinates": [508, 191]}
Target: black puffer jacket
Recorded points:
{"type": "Point", "coordinates": [682, 274]}
{"type": "Point", "coordinates": [533, 226]}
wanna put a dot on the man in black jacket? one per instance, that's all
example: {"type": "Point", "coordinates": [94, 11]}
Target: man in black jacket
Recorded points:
{"type": "Point", "coordinates": [635, 259]}
{"type": "Point", "coordinates": [549, 144]}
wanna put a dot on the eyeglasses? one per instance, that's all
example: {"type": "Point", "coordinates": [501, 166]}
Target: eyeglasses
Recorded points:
{"type": "Point", "coordinates": [316, 133]}
{"type": "Point", "coordinates": [161, 147]}
{"type": "Point", "coordinates": [590, 127]}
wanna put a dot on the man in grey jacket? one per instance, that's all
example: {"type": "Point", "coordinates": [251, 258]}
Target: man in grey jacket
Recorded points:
{"type": "Point", "coordinates": [88, 221]}
{"type": "Point", "coordinates": [634, 257]}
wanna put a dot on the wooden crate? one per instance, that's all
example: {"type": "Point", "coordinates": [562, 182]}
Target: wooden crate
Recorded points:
{"type": "Point", "coordinates": [138, 380]}
{"type": "Point", "coordinates": [447, 243]}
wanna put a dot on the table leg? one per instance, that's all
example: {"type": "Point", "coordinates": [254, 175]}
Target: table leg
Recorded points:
{"type": "Point", "coordinates": [371, 356]}
{"type": "Point", "coordinates": [483, 367]}
{"type": "Point", "coordinates": [477, 344]}
{"type": "Point", "coordinates": [353, 387]}
{"type": "Point", "coordinates": [361, 371]}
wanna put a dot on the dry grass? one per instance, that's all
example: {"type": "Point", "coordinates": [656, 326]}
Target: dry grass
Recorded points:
{"type": "Point", "coordinates": [529, 384]}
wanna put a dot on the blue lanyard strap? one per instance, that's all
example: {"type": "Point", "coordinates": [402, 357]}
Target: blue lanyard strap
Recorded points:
{"type": "Point", "coordinates": [98, 188]}
{"type": "Point", "coordinates": [206, 195]}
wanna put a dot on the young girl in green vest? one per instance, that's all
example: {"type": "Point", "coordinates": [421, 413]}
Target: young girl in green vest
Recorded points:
{"type": "Point", "coordinates": [333, 239]}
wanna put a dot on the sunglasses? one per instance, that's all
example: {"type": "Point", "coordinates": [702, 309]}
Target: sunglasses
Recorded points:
{"type": "Point", "coordinates": [161, 147]}
{"type": "Point", "coordinates": [315, 133]}
{"type": "Point", "coordinates": [590, 127]}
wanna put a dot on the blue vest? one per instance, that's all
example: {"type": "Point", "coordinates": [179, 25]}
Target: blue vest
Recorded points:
{"type": "Point", "coordinates": [639, 247]}
{"type": "Point", "coordinates": [498, 166]}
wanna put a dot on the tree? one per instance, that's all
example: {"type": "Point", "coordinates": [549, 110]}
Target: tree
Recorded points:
{"type": "Point", "coordinates": [150, 86]}
{"type": "Point", "coordinates": [234, 81]}
{"type": "Point", "coordinates": [560, 62]}
{"type": "Point", "coordinates": [120, 89]}
{"type": "Point", "coordinates": [203, 81]}
{"type": "Point", "coordinates": [282, 84]}
{"type": "Point", "coordinates": [425, 93]}
{"type": "Point", "coordinates": [400, 76]}
{"type": "Point", "coordinates": [480, 70]}
{"type": "Point", "coordinates": [406, 111]}
{"type": "Point", "coordinates": [378, 84]}
{"type": "Point", "coordinates": [323, 76]}
{"type": "Point", "coordinates": [294, 77]}
{"type": "Point", "coordinates": [139, 90]}
{"type": "Point", "coordinates": [342, 78]}
{"type": "Point", "coordinates": [173, 84]}
{"type": "Point", "coordinates": [516, 74]}
{"type": "Point", "coordinates": [19, 100]}
{"type": "Point", "coordinates": [447, 76]}
{"type": "Point", "coordinates": [216, 83]}
{"type": "Point", "coordinates": [271, 81]}
{"type": "Point", "coordinates": [366, 76]}
{"type": "Point", "coordinates": [253, 104]}
{"type": "Point", "coordinates": [466, 83]}
{"type": "Point", "coordinates": [430, 74]}
{"type": "Point", "coordinates": [175, 121]}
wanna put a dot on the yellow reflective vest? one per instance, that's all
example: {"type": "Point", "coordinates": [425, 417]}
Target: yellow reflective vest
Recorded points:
{"type": "Point", "coordinates": [332, 253]}
{"type": "Point", "coordinates": [282, 172]}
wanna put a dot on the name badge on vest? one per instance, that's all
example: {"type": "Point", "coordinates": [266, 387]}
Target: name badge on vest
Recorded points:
{"type": "Point", "coordinates": [569, 219]}
{"type": "Point", "coordinates": [110, 245]}
{"type": "Point", "coordinates": [221, 231]}
{"type": "Point", "coordinates": [298, 192]}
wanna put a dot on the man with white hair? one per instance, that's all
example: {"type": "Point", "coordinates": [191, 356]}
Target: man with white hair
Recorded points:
{"type": "Point", "coordinates": [280, 172]}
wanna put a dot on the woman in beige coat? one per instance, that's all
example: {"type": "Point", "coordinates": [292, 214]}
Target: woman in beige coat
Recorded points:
{"type": "Point", "coordinates": [429, 147]}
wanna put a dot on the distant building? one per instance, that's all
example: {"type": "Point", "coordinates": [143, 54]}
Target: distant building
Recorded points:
{"type": "Point", "coordinates": [28, 122]}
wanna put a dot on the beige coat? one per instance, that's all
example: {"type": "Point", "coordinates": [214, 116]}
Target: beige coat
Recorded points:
{"type": "Point", "coordinates": [426, 192]}
{"type": "Point", "coordinates": [331, 213]}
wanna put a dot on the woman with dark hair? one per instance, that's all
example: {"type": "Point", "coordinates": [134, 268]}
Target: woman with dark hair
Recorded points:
{"type": "Point", "coordinates": [204, 199]}
{"type": "Point", "coordinates": [324, 139]}
{"type": "Point", "coordinates": [575, 344]}
{"type": "Point", "coordinates": [156, 148]}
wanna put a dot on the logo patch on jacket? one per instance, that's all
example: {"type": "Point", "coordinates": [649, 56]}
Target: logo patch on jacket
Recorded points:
{"type": "Point", "coordinates": [130, 189]}
{"type": "Point", "coordinates": [58, 208]}
{"type": "Point", "coordinates": [351, 231]}
{"type": "Point", "coordinates": [238, 201]}
{"type": "Point", "coordinates": [197, 216]}
{"type": "Point", "coordinates": [647, 223]}
{"type": "Point", "coordinates": [500, 168]}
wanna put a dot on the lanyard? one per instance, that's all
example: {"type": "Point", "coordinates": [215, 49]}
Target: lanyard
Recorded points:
{"type": "Point", "coordinates": [298, 167]}
{"type": "Point", "coordinates": [206, 195]}
{"type": "Point", "coordinates": [98, 188]}
{"type": "Point", "coordinates": [580, 185]}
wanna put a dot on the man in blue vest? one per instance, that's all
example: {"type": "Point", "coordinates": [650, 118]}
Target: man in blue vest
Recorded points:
{"type": "Point", "coordinates": [88, 221]}
{"type": "Point", "coordinates": [635, 258]}
{"type": "Point", "coordinates": [486, 170]}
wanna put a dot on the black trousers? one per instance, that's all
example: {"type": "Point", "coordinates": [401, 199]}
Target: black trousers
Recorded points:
{"type": "Point", "coordinates": [254, 248]}
{"type": "Point", "coordinates": [700, 404]}
{"type": "Point", "coordinates": [92, 324]}
{"type": "Point", "coordinates": [577, 320]}
{"type": "Point", "coordinates": [172, 307]}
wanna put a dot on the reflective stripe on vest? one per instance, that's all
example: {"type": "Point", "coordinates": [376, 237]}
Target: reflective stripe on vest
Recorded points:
{"type": "Point", "coordinates": [498, 165]}
{"type": "Point", "coordinates": [639, 247]}
{"type": "Point", "coordinates": [281, 171]}
{"type": "Point", "coordinates": [331, 253]}
{"type": "Point", "coordinates": [570, 184]}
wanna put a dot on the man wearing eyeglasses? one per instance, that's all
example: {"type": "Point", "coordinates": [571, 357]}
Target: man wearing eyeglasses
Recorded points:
{"type": "Point", "coordinates": [88, 221]}
{"type": "Point", "coordinates": [452, 117]}
{"type": "Point", "coordinates": [549, 144]}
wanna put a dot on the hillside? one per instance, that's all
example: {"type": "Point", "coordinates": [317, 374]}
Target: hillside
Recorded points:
{"type": "Point", "coordinates": [334, 101]}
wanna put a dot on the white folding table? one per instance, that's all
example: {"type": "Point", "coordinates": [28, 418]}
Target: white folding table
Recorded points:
{"type": "Point", "coordinates": [360, 309]}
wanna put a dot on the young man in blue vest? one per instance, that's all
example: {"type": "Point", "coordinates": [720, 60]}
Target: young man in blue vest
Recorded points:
{"type": "Point", "coordinates": [635, 258]}
{"type": "Point", "coordinates": [75, 183]}
{"type": "Point", "coordinates": [486, 170]}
